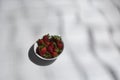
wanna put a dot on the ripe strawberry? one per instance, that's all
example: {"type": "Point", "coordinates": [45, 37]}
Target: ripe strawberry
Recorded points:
{"type": "Point", "coordinates": [59, 44]}
{"type": "Point", "coordinates": [46, 38]}
{"type": "Point", "coordinates": [47, 43]}
{"type": "Point", "coordinates": [50, 49]}
{"type": "Point", "coordinates": [40, 42]}
{"type": "Point", "coordinates": [51, 44]}
{"type": "Point", "coordinates": [54, 54]}
{"type": "Point", "coordinates": [43, 51]}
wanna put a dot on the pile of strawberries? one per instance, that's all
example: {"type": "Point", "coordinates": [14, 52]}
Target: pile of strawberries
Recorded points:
{"type": "Point", "coordinates": [49, 46]}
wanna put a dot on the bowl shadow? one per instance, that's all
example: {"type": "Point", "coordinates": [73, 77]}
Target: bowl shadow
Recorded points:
{"type": "Point", "coordinates": [36, 60]}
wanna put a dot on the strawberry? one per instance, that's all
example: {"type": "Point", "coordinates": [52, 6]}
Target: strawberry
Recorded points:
{"type": "Point", "coordinates": [46, 38]}
{"type": "Point", "coordinates": [51, 44]}
{"type": "Point", "coordinates": [43, 51]}
{"type": "Point", "coordinates": [50, 49]}
{"type": "Point", "coordinates": [54, 54]}
{"type": "Point", "coordinates": [47, 43]}
{"type": "Point", "coordinates": [40, 42]}
{"type": "Point", "coordinates": [59, 44]}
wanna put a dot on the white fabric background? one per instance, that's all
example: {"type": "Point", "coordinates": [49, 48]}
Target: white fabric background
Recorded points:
{"type": "Point", "coordinates": [90, 30]}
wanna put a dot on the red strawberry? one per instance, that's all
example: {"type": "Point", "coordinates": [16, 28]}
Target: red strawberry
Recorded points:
{"type": "Point", "coordinates": [43, 51]}
{"type": "Point", "coordinates": [54, 54]}
{"type": "Point", "coordinates": [50, 48]}
{"type": "Point", "coordinates": [59, 44]}
{"type": "Point", "coordinates": [51, 44]}
{"type": "Point", "coordinates": [40, 42]}
{"type": "Point", "coordinates": [47, 43]}
{"type": "Point", "coordinates": [46, 38]}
